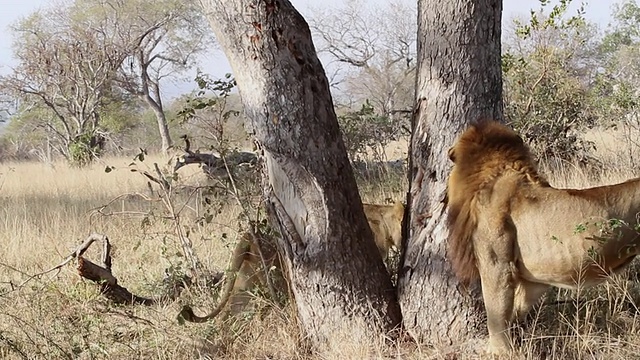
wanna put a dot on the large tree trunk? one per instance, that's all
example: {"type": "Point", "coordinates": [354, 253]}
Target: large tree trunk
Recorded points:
{"type": "Point", "coordinates": [337, 276]}
{"type": "Point", "coordinates": [459, 81]}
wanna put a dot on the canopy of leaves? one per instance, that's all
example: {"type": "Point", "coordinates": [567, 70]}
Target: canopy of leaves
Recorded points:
{"type": "Point", "coordinates": [212, 117]}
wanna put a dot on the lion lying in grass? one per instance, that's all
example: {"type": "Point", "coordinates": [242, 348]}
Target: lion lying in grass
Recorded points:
{"type": "Point", "coordinates": [246, 270]}
{"type": "Point", "coordinates": [519, 235]}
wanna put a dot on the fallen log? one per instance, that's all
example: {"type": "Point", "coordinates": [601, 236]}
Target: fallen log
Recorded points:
{"type": "Point", "coordinates": [109, 286]}
{"type": "Point", "coordinates": [215, 165]}
{"type": "Point", "coordinates": [102, 275]}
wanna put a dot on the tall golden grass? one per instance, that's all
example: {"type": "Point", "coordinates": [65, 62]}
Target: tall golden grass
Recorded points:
{"type": "Point", "coordinates": [46, 211]}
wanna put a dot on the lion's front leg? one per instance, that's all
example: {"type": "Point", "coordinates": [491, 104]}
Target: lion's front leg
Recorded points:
{"type": "Point", "coordinates": [495, 262]}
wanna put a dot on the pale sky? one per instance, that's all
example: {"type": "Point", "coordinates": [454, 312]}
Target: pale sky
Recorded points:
{"type": "Point", "coordinates": [597, 11]}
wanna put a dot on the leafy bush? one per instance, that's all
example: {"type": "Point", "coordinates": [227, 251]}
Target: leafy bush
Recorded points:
{"type": "Point", "coordinates": [546, 70]}
{"type": "Point", "coordinates": [367, 133]}
{"type": "Point", "coordinates": [84, 148]}
{"type": "Point", "coordinates": [561, 77]}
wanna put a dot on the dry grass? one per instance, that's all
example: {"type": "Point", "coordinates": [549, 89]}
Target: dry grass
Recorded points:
{"type": "Point", "coordinates": [46, 211]}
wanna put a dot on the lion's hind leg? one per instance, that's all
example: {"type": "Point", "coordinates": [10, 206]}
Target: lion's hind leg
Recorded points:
{"type": "Point", "coordinates": [246, 279]}
{"type": "Point", "coordinates": [527, 294]}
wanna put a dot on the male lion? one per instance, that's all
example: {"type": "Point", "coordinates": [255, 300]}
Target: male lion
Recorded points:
{"type": "Point", "coordinates": [520, 236]}
{"type": "Point", "coordinates": [248, 261]}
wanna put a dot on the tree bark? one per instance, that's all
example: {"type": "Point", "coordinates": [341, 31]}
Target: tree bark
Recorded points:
{"type": "Point", "coordinates": [338, 279]}
{"type": "Point", "coordinates": [147, 88]}
{"type": "Point", "coordinates": [161, 119]}
{"type": "Point", "coordinates": [459, 81]}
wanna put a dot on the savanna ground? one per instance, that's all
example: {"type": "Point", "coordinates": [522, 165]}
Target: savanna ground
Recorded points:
{"type": "Point", "coordinates": [46, 211]}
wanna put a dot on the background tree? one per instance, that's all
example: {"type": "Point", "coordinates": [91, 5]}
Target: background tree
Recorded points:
{"type": "Point", "coordinates": [459, 81]}
{"type": "Point", "coordinates": [377, 43]}
{"type": "Point", "coordinates": [27, 137]}
{"type": "Point", "coordinates": [620, 44]}
{"type": "Point", "coordinates": [65, 63]}
{"type": "Point", "coordinates": [212, 115]}
{"type": "Point", "coordinates": [7, 107]}
{"type": "Point", "coordinates": [370, 50]}
{"type": "Point", "coordinates": [367, 134]}
{"type": "Point", "coordinates": [562, 77]}
{"type": "Point", "coordinates": [166, 38]}
{"type": "Point", "coordinates": [619, 82]}
{"type": "Point", "coordinates": [76, 59]}
{"type": "Point", "coordinates": [337, 277]}
{"type": "Point", "coordinates": [126, 121]}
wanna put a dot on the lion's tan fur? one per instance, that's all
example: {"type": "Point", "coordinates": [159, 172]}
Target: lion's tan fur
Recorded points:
{"type": "Point", "coordinates": [385, 222]}
{"type": "Point", "coordinates": [520, 236]}
{"type": "Point", "coordinates": [483, 152]}
{"type": "Point", "coordinates": [245, 272]}
{"type": "Point", "coordinates": [247, 264]}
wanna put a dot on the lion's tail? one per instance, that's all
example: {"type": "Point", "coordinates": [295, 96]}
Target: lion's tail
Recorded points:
{"type": "Point", "coordinates": [462, 223]}
{"type": "Point", "coordinates": [242, 248]}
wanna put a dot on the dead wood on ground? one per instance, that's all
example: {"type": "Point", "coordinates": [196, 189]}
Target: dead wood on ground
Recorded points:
{"type": "Point", "coordinates": [101, 274]}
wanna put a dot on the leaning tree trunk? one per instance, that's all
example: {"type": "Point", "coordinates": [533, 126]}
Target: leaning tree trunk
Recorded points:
{"type": "Point", "coordinates": [150, 94]}
{"type": "Point", "coordinates": [459, 81]}
{"type": "Point", "coordinates": [337, 277]}
{"type": "Point", "coordinates": [163, 126]}
{"type": "Point", "coordinates": [161, 120]}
